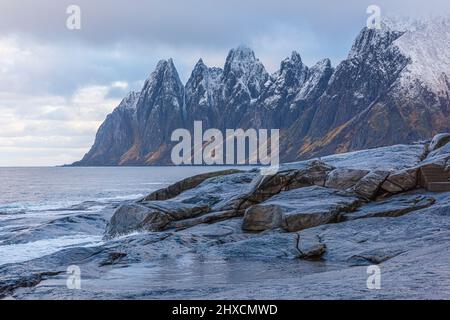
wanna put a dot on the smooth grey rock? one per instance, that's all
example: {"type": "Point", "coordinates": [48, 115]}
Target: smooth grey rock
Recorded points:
{"type": "Point", "coordinates": [221, 261]}
{"type": "Point", "coordinates": [113, 258]}
{"type": "Point", "coordinates": [206, 218]}
{"type": "Point", "coordinates": [310, 207]}
{"type": "Point", "coordinates": [370, 184]}
{"type": "Point", "coordinates": [263, 187]}
{"type": "Point", "coordinates": [221, 193]}
{"type": "Point", "coordinates": [439, 141]}
{"type": "Point", "coordinates": [262, 217]}
{"type": "Point", "coordinates": [186, 184]}
{"type": "Point", "coordinates": [175, 210]}
{"type": "Point", "coordinates": [301, 208]}
{"type": "Point", "coordinates": [403, 180]}
{"type": "Point", "coordinates": [439, 155]}
{"type": "Point", "coordinates": [387, 235]}
{"type": "Point", "coordinates": [342, 178]}
{"type": "Point", "coordinates": [265, 246]}
{"type": "Point", "coordinates": [218, 194]}
{"type": "Point", "coordinates": [135, 217]}
{"type": "Point", "coordinates": [314, 173]}
{"type": "Point", "coordinates": [314, 253]}
{"type": "Point", "coordinates": [391, 158]}
{"type": "Point", "coordinates": [392, 207]}
{"type": "Point", "coordinates": [203, 249]}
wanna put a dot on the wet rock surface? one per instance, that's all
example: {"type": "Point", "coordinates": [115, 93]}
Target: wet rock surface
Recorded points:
{"type": "Point", "coordinates": [308, 231]}
{"type": "Point", "coordinates": [302, 208]}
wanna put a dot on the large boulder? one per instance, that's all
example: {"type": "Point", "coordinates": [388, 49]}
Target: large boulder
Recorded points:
{"type": "Point", "coordinates": [262, 217]}
{"type": "Point", "coordinates": [400, 181]}
{"type": "Point", "coordinates": [392, 207]}
{"type": "Point", "coordinates": [133, 217]}
{"type": "Point", "coordinates": [264, 246]}
{"type": "Point", "coordinates": [153, 216]}
{"type": "Point", "coordinates": [314, 253]}
{"type": "Point", "coordinates": [439, 141]}
{"type": "Point", "coordinates": [441, 154]}
{"type": "Point", "coordinates": [264, 187]}
{"type": "Point", "coordinates": [370, 184]}
{"type": "Point", "coordinates": [221, 193]}
{"type": "Point", "coordinates": [205, 218]}
{"type": "Point", "coordinates": [218, 195]}
{"type": "Point", "coordinates": [343, 178]}
{"type": "Point", "coordinates": [392, 158]}
{"type": "Point", "coordinates": [300, 209]}
{"type": "Point", "coordinates": [186, 184]}
{"type": "Point", "coordinates": [315, 173]}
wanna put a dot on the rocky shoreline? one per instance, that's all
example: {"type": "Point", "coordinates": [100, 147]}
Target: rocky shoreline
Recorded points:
{"type": "Point", "coordinates": [308, 231]}
{"type": "Point", "coordinates": [299, 196]}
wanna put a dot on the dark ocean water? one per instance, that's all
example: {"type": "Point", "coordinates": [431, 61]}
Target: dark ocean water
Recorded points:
{"type": "Point", "coordinates": [37, 203]}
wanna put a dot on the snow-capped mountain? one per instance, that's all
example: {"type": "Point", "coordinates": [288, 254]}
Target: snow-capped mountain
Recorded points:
{"type": "Point", "coordinates": [392, 88]}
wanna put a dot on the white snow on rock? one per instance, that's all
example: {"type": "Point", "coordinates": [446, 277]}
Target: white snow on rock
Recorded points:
{"type": "Point", "coordinates": [390, 158]}
{"type": "Point", "coordinates": [130, 101]}
{"type": "Point", "coordinates": [248, 70]}
{"type": "Point", "coordinates": [314, 76]}
{"type": "Point", "coordinates": [430, 61]}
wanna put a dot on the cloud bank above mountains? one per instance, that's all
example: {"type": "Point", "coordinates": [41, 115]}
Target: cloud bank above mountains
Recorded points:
{"type": "Point", "coordinates": [57, 85]}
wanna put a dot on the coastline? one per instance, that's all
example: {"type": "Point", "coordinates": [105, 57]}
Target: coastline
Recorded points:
{"type": "Point", "coordinates": [236, 234]}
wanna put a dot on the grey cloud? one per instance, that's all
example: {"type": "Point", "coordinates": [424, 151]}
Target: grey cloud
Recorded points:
{"type": "Point", "coordinates": [123, 40]}
{"type": "Point", "coordinates": [178, 22]}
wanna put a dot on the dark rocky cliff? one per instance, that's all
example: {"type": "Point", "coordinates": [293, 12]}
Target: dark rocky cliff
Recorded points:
{"type": "Point", "coordinates": [392, 88]}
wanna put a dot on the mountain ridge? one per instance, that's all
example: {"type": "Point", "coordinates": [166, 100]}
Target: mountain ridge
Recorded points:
{"type": "Point", "coordinates": [391, 89]}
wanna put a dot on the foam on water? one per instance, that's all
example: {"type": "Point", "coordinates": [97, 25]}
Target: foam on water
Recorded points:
{"type": "Point", "coordinates": [21, 252]}
{"type": "Point", "coordinates": [35, 202]}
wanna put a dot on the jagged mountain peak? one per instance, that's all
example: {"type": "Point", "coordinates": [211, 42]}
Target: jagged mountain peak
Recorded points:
{"type": "Point", "coordinates": [161, 63]}
{"type": "Point", "coordinates": [375, 97]}
{"type": "Point", "coordinates": [287, 80]}
{"type": "Point", "coordinates": [165, 69]}
{"type": "Point", "coordinates": [165, 75]}
{"type": "Point", "coordinates": [371, 41]}
{"type": "Point", "coordinates": [165, 66]}
{"type": "Point", "coordinates": [430, 61]}
{"type": "Point", "coordinates": [130, 101]}
{"type": "Point", "coordinates": [316, 81]}
{"type": "Point", "coordinates": [199, 68]}
{"type": "Point", "coordinates": [292, 71]}
{"type": "Point", "coordinates": [204, 79]}
{"type": "Point", "coordinates": [241, 61]}
{"type": "Point", "coordinates": [242, 53]}
{"type": "Point", "coordinates": [415, 24]}
{"type": "Point", "coordinates": [424, 42]}
{"type": "Point", "coordinates": [294, 60]}
{"type": "Point", "coordinates": [244, 72]}
{"type": "Point", "coordinates": [295, 57]}
{"type": "Point", "coordinates": [321, 64]}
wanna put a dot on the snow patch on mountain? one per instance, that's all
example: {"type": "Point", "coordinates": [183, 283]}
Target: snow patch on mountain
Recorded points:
{"type": "Point", "coordinates": [243, 68]}
{"type": "Point", "coordinates": [130, 101]}
{"type": "Point", "coordinates": [315, 75]}
{"type": "Point", "coordinates": [427, 44]}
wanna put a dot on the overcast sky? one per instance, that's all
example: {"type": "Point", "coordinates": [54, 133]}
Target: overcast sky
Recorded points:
{"type": "Point", "coordinates": [57, 85]}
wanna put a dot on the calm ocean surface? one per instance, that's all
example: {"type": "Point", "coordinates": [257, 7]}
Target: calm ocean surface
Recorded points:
{"type": "Point", "coordinates": [23, 189]}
